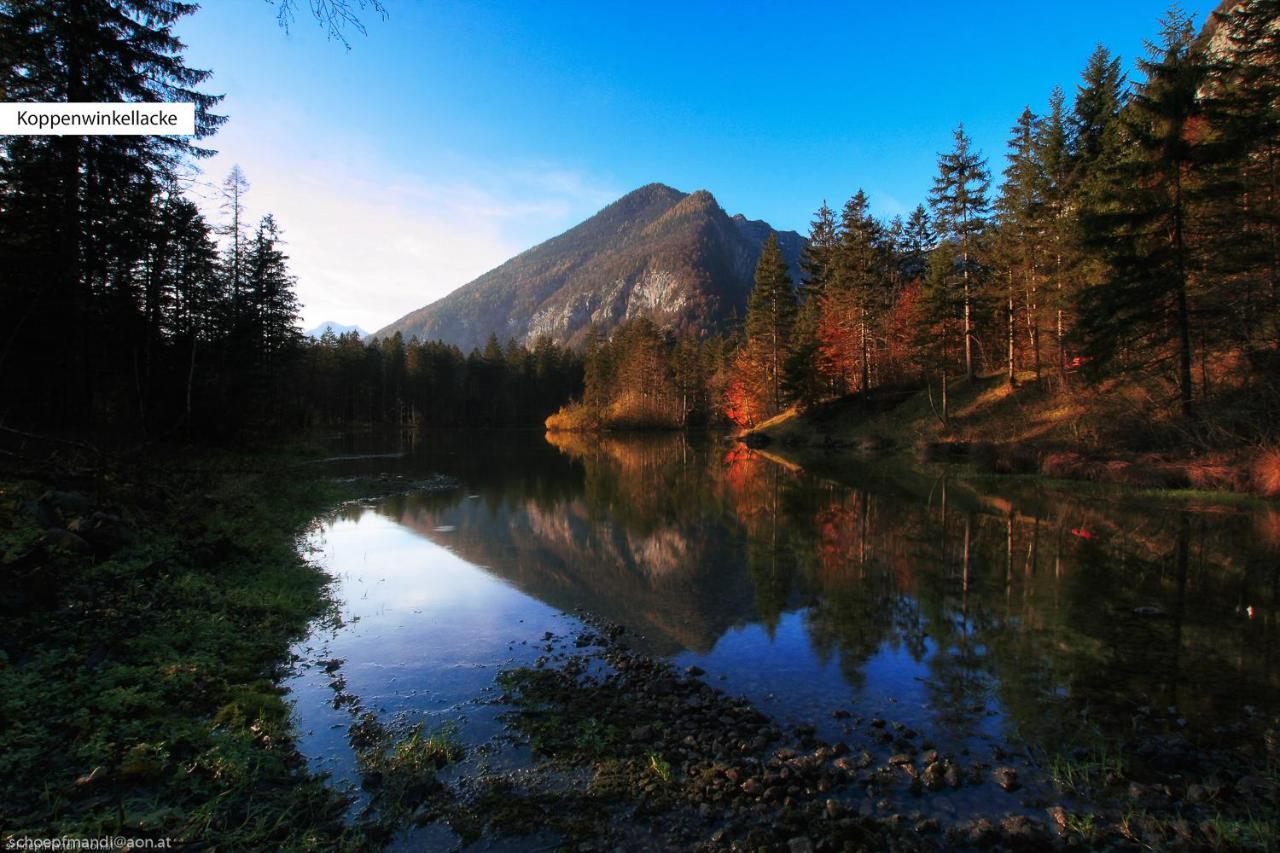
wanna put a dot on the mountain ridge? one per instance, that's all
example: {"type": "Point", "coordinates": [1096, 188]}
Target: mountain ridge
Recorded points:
{"type": "Point", "coordinates": [674, 257]}
{"type": "Point", "coordinates": [336, 327]}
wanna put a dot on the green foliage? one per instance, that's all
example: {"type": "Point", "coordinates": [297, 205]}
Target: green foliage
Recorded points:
{"type": "Point", "coordinates": [660, 767]}
{"type": "Point", "coordinates": [168, 646]}
{"type": "Point", "coordinates": [1161, 219]}
{"type": "Point", "coordinates": [771, 313]}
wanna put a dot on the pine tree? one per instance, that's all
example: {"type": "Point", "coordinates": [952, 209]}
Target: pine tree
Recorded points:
{"type": "Point", "coordinates": [77, 209]}
{"type": "Point", "coordinates": [1057, 171]}
{"type": "Point", "coordinates": [854, 302]}
{"type": "Point", "coordinates": [771, 311]}
{"type": "Point", "coordinates": [802, 379]}
{"type": "Point", "coordinates": [917, 241]}
{"type": "Point", "coordinates": [959, 201]}
{"type": "Point", "coordinates": [272, 304]}
{"type": "Point", "coordinates": [1020, 243]}
{"type": "Point", "coordinates": [233, 190]}
{"type": "Point", "coordinates": [1158, 216]}
{"type": "Point", "coordinates": [1251, 80]}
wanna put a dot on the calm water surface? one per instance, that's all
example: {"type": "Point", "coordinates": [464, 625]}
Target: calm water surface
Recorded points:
{"type": "Point", "coordinates": [986, 617]}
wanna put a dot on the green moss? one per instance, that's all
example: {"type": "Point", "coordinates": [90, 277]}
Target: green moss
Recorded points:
{"type": "Point", "coordinates": [137, 688]}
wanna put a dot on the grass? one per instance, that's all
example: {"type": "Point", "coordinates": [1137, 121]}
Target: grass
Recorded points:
{"type": "Point", "coordinates": [416, 752]}
{"type": "Point", "coordinates": [1084, 776]}
{"type": "Point", "coordinates": [1221, 832]}
{"type": "Point", "coordinates": [1112, 434]}
{"type": "Point", "coordinates": [1082, 826]}
{"type": "Point", "coordinates": [660, 767]}
{"type": "Point", "coordinates": [138, 687]}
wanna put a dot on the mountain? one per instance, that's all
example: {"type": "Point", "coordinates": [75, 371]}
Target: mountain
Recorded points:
{"type": "Point", "coordinates": [676, 258]}
{"type": "Point", "coordinates": [337, 328]}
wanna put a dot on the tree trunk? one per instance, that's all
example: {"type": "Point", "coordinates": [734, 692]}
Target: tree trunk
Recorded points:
{"type": "Point", "coordinates": [968, 331]}
{"type": "Point", "coordinates": [1013, 377]}
{"type": "Point", "coordinates": [1185, 386]}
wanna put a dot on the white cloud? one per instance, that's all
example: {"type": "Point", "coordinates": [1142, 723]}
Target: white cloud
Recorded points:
{"type": "Point", "coordinates": [369, 244]}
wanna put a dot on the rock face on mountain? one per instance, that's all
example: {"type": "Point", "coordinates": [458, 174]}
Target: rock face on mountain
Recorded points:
{"type": "Point", "coordinates": [673, 257]}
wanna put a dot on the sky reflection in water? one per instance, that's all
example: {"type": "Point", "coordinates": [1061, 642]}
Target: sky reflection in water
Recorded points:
{"type": "Point", "coordinates": [972, 616]}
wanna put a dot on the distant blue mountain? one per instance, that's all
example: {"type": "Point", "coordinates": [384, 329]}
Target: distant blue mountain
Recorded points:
{"type": "Point", "coordinates": [338, 329]}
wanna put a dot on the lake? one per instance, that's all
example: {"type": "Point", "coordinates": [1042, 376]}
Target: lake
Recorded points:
{"type": "Point", "coordinates": [998, 619]}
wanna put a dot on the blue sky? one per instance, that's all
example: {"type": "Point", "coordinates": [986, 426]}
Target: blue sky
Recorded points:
{"type": "Point", "coordinates": [456, 134]}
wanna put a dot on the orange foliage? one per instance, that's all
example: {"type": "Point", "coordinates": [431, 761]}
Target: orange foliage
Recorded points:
{"type": "Point", "coordinates": [746, 399]}
{"type": "Point", "coordinates": [1266, 473]}
{"type": "Point", "coordinates": [905, 319]}
{"type": "Point", "coordinates": [839, 340]}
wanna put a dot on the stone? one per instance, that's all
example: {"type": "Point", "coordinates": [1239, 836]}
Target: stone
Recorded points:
{"type": "Point", "coordinates": [983, 833]}
{"type": "Point", "coordinates": [928, 826]}
{"type": "Point", "coordinates": [934, 776]}
{"type": "Point", "coordinates": [65, 542]}
{"type": "Point", "coordinates": [952, 776]}
{"type": "Point", "coordinates": [1006, 777]}
{"type": "Point", "coordinates": [1023, 832]}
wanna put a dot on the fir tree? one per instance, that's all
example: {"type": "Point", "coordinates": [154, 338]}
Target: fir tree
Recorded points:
{"type": "Point", "coordinates": [854, 302]}
{"type": "Point", "coordinates": [73, 225]}
{"type": "Point", "coordinates": [1099, 97]}
{"type": "Point", "coordinates": [1158, 213]}
{"type": "Point", "coordinates": [916, 243]}
{"type": "Point", "coordinates": [1054, 159]}
{"type": "Point", "coordinates": [1020, 211]}
{"type": "Point", "coordinates": [803, 381]}
{"type": "Point", "coordinates": [959, 201]}
{"type": "Point", "coordinates": [771, 311]}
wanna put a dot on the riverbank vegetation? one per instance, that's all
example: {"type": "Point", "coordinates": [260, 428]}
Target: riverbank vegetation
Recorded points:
{"type": "Point", "coordinates": [149, 609]}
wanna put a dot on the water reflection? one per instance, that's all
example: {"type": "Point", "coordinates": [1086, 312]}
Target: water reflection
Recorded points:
{"type": "Point", "coordinates": [999, 613]}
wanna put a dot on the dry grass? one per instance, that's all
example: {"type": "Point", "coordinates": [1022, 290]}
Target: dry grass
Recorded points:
{"type": "Point", "coordinates": [1114, 433]}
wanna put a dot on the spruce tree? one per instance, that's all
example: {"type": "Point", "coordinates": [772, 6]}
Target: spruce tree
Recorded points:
{"type": "Point", "coordinates": [272, 303]}
{"type": "Point", "coordinates": [1020, 243]}
{"type": "Point", "coordinates": [1251, 85]}
{"type": "Point", "coordinates": [802, 379]}
{"type": "Point", "coordinates": [76, 209]}
{"type": "Point", "coordinates": [1099, 97]}
{"type": "Point", "coordinates": [771, 312]}
{"type": "Point", "coordinates": [854, 302]}
{"type": "Point", "coordinates": [959, 201]}
{"type": "Point", "coordinates": [1056, 165]}
{"type": "Point", "coordinates": [917, 241]}
{"type": "Point", "coordinates": [1157, 220]}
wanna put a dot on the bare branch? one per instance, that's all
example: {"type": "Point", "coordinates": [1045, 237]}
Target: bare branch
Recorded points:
{"type": "Point", "coordinates": [334, 16]}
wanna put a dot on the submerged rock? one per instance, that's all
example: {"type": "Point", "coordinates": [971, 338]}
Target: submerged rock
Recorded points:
{"type": "Point", "coordinates": [1006, 777]}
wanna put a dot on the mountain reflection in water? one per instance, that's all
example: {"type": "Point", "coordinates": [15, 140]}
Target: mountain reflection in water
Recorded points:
{"type": "Point", "coordinates": [1004, 612]}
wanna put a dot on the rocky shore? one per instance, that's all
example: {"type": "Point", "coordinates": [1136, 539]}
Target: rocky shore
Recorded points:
{"type": "Point", "coordinates": [628, 752]}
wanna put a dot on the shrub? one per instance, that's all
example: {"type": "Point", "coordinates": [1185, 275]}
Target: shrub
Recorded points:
{"type": "Point", "coordinates": [1266, 472]}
